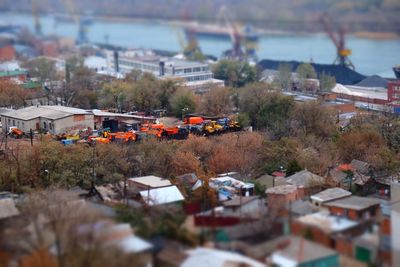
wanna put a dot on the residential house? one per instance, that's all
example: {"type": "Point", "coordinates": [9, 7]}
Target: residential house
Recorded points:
{"type": "Point", "coordinates": [280, 197]}
{"type": "Point", "coordinates": [331, 231]}
{"type": "Point", "coordinates": [229, 187]}
{"type": "Point", "coordinates": [354, 207]}
{"type": "Point", "coordinates": [269, 181]}
{"type": "Point", "coordinates": [251, 207]}
{"type": "Point", "coordinates": [148, 182]}
{"type": "Point", "coordinates": [309, 181]}
{"type": "Point", "coordinates": [199, 257]}
{"type": "Point", "coordinates": [52, 119]}
{"type": "Point", "coordinates": [295, 251]}
{"type": "Point", "coordinates": [395, 221]}
{"type": "Point", "coordinates": [328, 195]}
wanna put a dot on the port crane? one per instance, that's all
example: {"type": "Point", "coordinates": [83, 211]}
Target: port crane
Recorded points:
{"type": "Point", "coordinates": [82, 25]}
{"type": "Point", "coordinates": [35, 14]}
{"type": "Point", "coordinates": [243, 46]}
{"type": "Point", "coordinates": [337, 35]}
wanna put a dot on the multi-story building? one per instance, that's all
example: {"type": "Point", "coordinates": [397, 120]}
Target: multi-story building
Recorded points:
{"type": "Point", "coordinates": [196, 75]}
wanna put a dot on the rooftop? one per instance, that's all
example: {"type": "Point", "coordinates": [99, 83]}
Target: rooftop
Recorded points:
{"type": "Point", "coordinates": [237, 201]}
{"type": "Point", "coordinates": [163, 195]}
{"type": "Point", "coordinates": [7, 208]}
{"type": "Point", "coordinates": [354, 203]}
{"type": "Point", "coordinates": [305, 178]}
{"type": "Point", "coordinates": [299, 250]}
{"type": "Point", "coordinates": [217, 258]}
{"type": "Point", "coordinates": [281, 189]}
{"type": "Point", "coordinates": [151, 181]}
{"type": "Point", "coordinates": [49, 112]}
{"type": "Point", "coordinates": [12, 73]}
{"type": "Point", "coordinates": [372, 93]}
{"type": "Point", "coordinates": [331, 194]}
{"type": "Point", "coordinates": [268, 180]}
{"type": "Point", "coordinates": [101, 113]}
{"type": "Point", "coordinates": [327, 223]}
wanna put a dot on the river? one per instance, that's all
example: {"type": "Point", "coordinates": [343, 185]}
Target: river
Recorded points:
{"type": "Point", "coordinates": [370, 56]}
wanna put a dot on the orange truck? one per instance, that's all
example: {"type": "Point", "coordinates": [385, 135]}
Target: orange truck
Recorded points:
{"type": "Point", "coordinates": [122, 136]}
{"type": "Point", "coordinates": [15, 132]}
{"type": "Point", "coordinates": [194, 120]}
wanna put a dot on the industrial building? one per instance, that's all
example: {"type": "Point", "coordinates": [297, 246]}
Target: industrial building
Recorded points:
{"type": "Point", "coordinates": [52, 119]}
{"type": "Point", "coordinates": [196, 75]}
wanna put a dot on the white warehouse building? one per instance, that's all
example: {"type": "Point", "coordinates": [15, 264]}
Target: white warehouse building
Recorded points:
{"type": "Point", "coordinates": [52, 119]}
{"type": "Point", "coordinates": [195, 75]}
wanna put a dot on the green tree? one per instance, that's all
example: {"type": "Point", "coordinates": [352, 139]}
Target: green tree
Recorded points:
{"type": "Point", "coordinates": [183, 102]}
{"type": "Point", "coordinates": [306, 71]}
{"type": "Point", "coordinates": [285, 76]}
{"type": "Point", "coordinates": [235, 73]}
{"type": "Point", "coordinates": [267, 109]}
{"type": "Point", "coordinates": [326, 82]}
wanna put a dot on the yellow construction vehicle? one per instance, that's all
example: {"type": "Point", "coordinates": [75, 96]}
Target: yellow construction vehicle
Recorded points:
{"type": "Point", "coordinates": [212, 127]}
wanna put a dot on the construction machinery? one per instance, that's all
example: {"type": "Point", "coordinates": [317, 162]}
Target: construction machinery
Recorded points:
{"type": "Point", "coordinates": [229, 125]}
{"type": "Point", "coordinates": [15, 132]}
{"type": "Point", "coordinates": [212, 127]}
{"type": "Point", "coordinates": [122, 137]}
{"type": "Point", "coordinates": [337, 35]}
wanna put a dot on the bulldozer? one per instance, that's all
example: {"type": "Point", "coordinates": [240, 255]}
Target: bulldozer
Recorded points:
{"type": "Point", "coordinates": [212, 127]}
{"type": "Point", "coordinates": [229, 125]}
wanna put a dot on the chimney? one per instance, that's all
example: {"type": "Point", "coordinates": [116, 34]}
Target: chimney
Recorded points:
{"type": "Point", "coordinates": [162, 68]}
{"type": "Point", "coordinates": [116, 61]}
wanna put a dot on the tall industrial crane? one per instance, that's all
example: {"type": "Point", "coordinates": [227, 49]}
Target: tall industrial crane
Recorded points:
{"type": "Point", "coordinates": [243, 44]}
{"type": "Point", "coordinates": [192, 49]}
{"type": "Point", "coordinates": [337, 35]}
{"type": "Point", "coordinates": [35, 14]}
{"type": "Point", "coordinates": [82, 26]}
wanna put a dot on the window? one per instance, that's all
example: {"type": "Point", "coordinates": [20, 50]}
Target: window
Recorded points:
{"type": "Point", "coordinates": [198, 69]}
{"type": "Point", "coordinates": [188, 70]}
{"type": "Point", "coordinates": [44, 125]}
{"type": "Point", "coordinates": [50, 126]}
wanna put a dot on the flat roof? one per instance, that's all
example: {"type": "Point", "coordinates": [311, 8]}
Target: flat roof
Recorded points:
{"type": "Point", "coordinates": [298, 247]}
{"type": "Point", "coordinates": [373, 93]}
{"type": "Point", "coordinates": [49, 112]}
{"type": "Point", "coordinates": [151, 180]}
{"type": "Point", "coordinates": [331, 194]}
{"type": "Point", "coordinates": [326, 222]}
{"type": "Point", "coordinates": [354, 203]}
{"type": "Point", "coordinates": [281, 189]}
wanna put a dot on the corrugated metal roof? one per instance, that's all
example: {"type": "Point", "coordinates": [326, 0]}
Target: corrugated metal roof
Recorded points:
{"type": "Point", "coordinates": [162, 195]}
{"type": "Point", "coordinates": [49, 112]}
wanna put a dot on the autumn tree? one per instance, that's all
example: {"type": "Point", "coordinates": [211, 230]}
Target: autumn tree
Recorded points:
{"type": "Point", "coordinates": [313, 118]}
{"type": "Point", "coordinates": [115, 95]}
{"type": "Point", "coordinates": [218, 101]}
{"type": "Point", "coordinates": [41, 68]}
{"type": "Point", "coordinates": [11, 94]}
{"type": "Point", "coordinates": [57, 219]}
{"type": "Point", "coordinates": [359, 143]}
